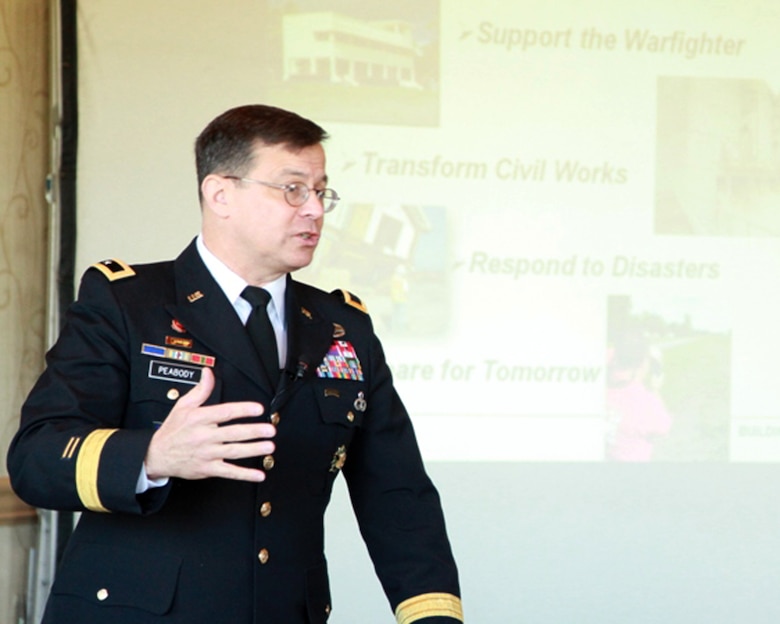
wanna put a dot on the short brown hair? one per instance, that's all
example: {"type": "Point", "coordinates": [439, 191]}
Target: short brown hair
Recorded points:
{"type": "Point", "coordinates": [227, 144]}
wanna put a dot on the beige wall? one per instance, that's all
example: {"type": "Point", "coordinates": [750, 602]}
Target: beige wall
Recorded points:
{"type": "Point", "coordinates": [24, 155]}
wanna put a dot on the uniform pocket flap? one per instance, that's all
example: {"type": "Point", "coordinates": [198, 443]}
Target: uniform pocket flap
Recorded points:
{"type": "Point", "coordinates": [114, 576]}
{"type": "Point", "coordinates": [342, 403]}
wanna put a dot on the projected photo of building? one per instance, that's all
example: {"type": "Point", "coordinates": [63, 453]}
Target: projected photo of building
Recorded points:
{"type": "Point", "coordinates": [363, 64]}
{"type": "Point", "coordinates": [718, 158]}
{"type": "Point", "coordinates": [340, 49]}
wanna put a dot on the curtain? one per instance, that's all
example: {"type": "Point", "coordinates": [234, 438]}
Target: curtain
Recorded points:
{"type": "Point", "coordinates": [24, 158]}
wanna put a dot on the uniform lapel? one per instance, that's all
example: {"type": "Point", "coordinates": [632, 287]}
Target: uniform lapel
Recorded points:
{"type": "Point", "coordinates": [309, 335]}
{"type": "Point", "coordinates": [201, 306]}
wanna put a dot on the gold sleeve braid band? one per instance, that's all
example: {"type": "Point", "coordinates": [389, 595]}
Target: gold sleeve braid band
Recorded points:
{"type": "Point", "coordinates": [429, 605]}
{"type": "Point", "coordinates": [87, 465]}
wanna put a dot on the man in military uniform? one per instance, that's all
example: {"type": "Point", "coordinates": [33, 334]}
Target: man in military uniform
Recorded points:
{"type": "Point", "coordinates": [202, 473]}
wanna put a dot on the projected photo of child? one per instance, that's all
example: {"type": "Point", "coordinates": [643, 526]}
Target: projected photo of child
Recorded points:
{"type": "Point", "coordinates": [637, 412]}
{"type": "Point", "coordinates": [668, 385]}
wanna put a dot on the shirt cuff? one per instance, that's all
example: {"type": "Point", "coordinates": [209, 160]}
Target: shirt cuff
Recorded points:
{"type": "Point", "coordinates": [144, 483]}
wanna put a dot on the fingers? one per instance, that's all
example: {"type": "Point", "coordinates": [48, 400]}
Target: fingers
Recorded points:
{"type": "Point", "coordinates": [201, 392]}
{"type": "Point", "coordinates": [199, 457]}
{"type": "Point", "coordinates": [225, 412]}
{"type": "Point", "coordinates": [244, 432]}
{"type": "Point", "coordinates": [225, 470]}
{"type": "Point", "coordinates": [246, 449]}
{"type": "Point", "coordinates": [220, 413]}
{"type": "Point", "coordinates": [194, 440]}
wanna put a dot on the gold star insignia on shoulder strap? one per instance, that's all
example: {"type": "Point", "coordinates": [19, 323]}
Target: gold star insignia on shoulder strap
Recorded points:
{"type": "Point", "coordinates": [350, 299]}
{"type": "Point", "coordinates": [114, 269]}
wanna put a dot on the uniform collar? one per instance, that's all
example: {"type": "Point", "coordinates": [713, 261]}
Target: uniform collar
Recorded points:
{"type": "Point", "coordinates": [233, 285]}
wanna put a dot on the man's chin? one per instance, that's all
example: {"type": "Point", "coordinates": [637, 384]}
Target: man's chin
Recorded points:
{"type": "Point", "coordinates": [300, 263]}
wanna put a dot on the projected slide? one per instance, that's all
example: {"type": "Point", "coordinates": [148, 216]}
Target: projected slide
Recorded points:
{"type": "Point", "coordinates": [565, 223]}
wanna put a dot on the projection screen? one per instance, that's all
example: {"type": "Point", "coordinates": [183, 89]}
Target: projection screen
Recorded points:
{"type": "Point", "coordinates": [563, 218]}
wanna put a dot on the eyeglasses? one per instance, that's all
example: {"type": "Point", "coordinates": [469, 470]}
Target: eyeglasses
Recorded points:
{"type": "Point", "coordinates": [296, 194]}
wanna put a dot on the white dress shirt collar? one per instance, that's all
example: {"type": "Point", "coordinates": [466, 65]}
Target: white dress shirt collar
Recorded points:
{"type": "Point", "coordinates": [233, 285]}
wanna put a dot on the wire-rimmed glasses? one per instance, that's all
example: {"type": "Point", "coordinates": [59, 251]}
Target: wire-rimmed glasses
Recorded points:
{"type": "Point", "coordinates": [296, 193]}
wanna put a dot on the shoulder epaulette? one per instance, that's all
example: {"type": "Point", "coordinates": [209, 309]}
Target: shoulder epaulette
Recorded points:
{"type": "Point", "coordinates": [351, 299]}
{"type": "Point", "coordinates": [114, 269]}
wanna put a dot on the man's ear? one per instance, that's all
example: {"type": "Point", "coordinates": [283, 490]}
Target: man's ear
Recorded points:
{"type": "Point", "coordinates": [215, 193]}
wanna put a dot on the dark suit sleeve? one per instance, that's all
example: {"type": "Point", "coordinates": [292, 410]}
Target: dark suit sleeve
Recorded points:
{"type": "Point", "coordinates": [398, 508]}
{"type": "Point", "coordinates": [71, 451]}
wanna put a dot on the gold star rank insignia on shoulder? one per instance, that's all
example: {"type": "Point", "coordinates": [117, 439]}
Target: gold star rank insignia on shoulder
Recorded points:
{"type": "Point", "coordinates": [114, 269]}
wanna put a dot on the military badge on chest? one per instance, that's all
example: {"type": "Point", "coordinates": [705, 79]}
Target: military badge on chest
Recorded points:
{"type": "Point", "coordinates": [339, 458]}
{"type": "Point", "coordinates": [341, 362]}
{"type": "Point", "coordinates": [175, 360]}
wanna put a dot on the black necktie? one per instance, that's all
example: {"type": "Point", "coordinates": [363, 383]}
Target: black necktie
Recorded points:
{"type": "Point", "coordinates": [261, 331]}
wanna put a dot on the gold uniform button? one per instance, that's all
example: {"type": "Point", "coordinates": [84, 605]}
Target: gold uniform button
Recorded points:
{"type": "Point", "coordinates": [265, 509]}
{"type": "Point", "coordinates": [268, 462]}
{"type": "Point", "coordinates": [173, 394]}
{"type": "Point", "coordinates": [275, 418]}
{"type": "Point", "coordinates": [350, 417]}
{"type": "Point", "coordinates": [327, 609]}
{"type": "Point", "coordinates": [263, 556]}
{"type": "Point", "coordinates": [102, 594]}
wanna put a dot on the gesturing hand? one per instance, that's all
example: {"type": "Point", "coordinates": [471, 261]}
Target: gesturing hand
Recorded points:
{"type": "Point", "coordinates": [191, 444]}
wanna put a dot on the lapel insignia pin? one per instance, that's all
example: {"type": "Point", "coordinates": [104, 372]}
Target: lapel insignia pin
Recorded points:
{"type": "Point", "coordinates": [338, 330]}
{"type": "Point", "coordinates": [306, 313]}
{"type": "Point", "coordinates": [193, 297]}
{"type": "Point", "coordinates": [178, 327]}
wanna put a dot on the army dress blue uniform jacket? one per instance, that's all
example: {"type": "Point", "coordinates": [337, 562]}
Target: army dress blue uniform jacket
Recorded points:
{"type": "Point", "coordinates": [216, 550]}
